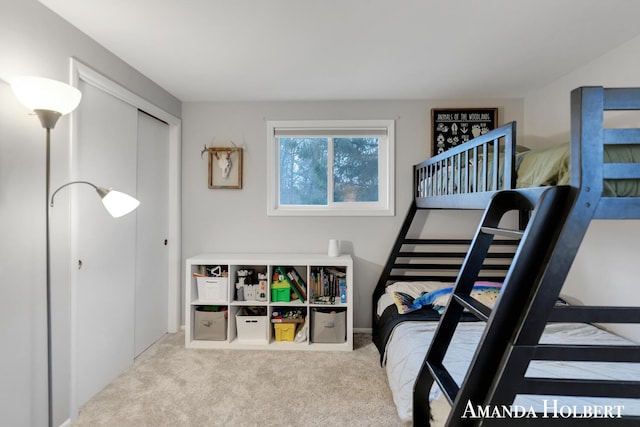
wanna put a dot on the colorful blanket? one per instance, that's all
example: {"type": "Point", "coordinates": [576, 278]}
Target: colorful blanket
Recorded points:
{"type": "Point", "coordinates": [485, 292]}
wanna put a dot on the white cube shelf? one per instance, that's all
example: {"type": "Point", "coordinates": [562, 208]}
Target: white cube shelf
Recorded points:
{"type": "Point", "coordinates": [327, 284]}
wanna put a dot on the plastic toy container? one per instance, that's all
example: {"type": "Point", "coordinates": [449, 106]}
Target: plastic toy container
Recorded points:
{"type": "Point", "coordinates": [251, 327]}
{"type": "Point", "coordinates": [212, 289]}
{"type": "Point", "coordinates": [280, 292]}
{"type": "Point", "coordinates": [285, 331]}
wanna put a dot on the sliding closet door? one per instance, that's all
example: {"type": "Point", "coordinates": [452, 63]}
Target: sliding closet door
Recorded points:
{"type": "Point", "coordinates": [105, 247]}
{"type": "Point", "coordinates": [152, 258]}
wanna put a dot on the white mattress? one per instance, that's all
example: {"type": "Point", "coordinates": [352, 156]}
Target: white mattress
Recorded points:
{"type": "Point", "coordinates": [409, 343]}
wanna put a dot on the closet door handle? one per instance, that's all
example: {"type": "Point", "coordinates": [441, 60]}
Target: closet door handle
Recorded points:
{"type": "Point", "coordinates": [166, 242]}
{"type": "Point", "coordinates": [79, 264]}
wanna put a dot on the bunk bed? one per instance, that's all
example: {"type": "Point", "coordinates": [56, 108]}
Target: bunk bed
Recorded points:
{"type": "Point", "coordinates": [527, 348]}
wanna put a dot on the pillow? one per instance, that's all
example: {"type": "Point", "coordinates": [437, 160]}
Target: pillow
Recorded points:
{"type": "Point", "coordinates": [545, 166]}
{"type": "Point", "coordinates": [415, 289]}
{"type": "Point", "coordinates": [484, 292]}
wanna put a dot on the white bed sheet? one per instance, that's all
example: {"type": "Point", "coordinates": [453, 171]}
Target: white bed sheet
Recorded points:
{"type": "Point", "coordinates": [409, 343]}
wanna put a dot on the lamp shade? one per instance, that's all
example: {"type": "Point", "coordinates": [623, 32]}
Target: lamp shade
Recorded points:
{"type": "Point", "coordinates": [39, 93]}
{"type": "Point", "coordinates": [117, 203]}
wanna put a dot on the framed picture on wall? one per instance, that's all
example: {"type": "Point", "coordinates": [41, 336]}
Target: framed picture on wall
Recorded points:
{"type": "Point", "coordinates": [225, 167]}
{"type": "Point", "coordinates": [451, 127]}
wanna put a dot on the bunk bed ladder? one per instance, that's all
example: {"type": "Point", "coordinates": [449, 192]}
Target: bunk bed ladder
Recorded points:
{"type": "Point", "coordinates": [590, 204]}
{"type": "Point", "coordinates": [548, 208]}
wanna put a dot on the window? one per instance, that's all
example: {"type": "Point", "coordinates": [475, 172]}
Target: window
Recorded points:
{"type": "Point", "coordinates": [328, 167]}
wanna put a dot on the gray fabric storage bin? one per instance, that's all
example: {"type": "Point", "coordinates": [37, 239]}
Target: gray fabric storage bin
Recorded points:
{"type": "Point", "coordinates": [209, 325]}
{"type": "Point", "coordinates": [328, 327]}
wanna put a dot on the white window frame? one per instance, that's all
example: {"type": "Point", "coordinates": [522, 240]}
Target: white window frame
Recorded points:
{"type": "Point", "coordinates": [385, 206]}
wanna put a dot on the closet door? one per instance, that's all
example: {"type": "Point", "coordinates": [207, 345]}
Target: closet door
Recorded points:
{"type": "Point", "coordinates": [152, 255]}
{"type": "Point", "coordinates": [105, 247]}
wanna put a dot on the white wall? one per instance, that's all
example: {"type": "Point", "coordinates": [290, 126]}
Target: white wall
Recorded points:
{"type": "Point", "coordinates": [236, 221]}
{"type": "Point", "coordinates": [34, 41]}
{"type": "Point", "coordinates": [547, 109]}
{"type": "Point", "coordinates": [606, 269]}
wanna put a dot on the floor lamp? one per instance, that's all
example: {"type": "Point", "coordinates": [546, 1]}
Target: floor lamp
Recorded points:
{"type": "Point", "coordinates": [49, 100]}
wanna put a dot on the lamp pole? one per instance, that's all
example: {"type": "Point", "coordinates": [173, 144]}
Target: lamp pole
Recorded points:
{"type": "Point", "coordinates": [48, 286]}
{"type": "Point", "coordinates": [48, 118]}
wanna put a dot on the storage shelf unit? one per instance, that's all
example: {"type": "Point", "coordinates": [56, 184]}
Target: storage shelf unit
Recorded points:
{"type": "Point", "coordinates": [304, 264]}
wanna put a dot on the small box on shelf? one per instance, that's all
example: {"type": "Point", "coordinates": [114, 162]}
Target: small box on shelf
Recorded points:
{"type": "Point", "coordinates": [252, 324]}
{"type": "Point", "coordinates": [212, 288]}
{"type": "Point", "coordinates": [328, 325]}
{"type": "Point", "coordinates": [285, 331]}
{"type": "Point", "coordinates": [210, 323]}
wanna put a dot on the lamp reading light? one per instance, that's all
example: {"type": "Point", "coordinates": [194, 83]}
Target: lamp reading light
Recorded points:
{"type": "Point", "coordinates": [116, 203]}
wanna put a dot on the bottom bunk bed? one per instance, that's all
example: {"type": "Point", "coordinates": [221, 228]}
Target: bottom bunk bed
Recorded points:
{"type": "Point", "coordinates": [518, 353]}
{"type": "Point", "coordinates": [404, 341]}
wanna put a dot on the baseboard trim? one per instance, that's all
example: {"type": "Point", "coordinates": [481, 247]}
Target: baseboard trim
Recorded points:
{"type": "Point", "coordinates": [66, 423]}
{"type": "Point", "coordinates": [362, 330]}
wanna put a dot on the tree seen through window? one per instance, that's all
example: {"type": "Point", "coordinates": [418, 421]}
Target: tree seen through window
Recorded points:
{"type": "Point", "coordinates": [304, 172]}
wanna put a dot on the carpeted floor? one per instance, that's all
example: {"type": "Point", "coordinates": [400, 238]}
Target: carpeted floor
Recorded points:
{"type": "Point", "coordinates": [169, 385]}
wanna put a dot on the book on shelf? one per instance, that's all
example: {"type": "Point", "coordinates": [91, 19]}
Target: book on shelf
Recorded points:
{"type": "Point", "coordinates": [328, 285]}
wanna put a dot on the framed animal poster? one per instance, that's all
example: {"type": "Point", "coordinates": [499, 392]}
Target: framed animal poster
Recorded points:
{"type": "Point", "coordinates": [225, 167]}
{"type": "Point", "coordinates": [451, 127]}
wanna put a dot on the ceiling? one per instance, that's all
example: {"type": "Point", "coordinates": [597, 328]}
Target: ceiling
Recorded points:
{"type": "Point", "coordinates": [250, 50]}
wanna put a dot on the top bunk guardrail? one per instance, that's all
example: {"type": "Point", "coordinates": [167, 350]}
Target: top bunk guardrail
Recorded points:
{"type": "Point", "coordinates": [602, 163]}
{"type": "Point", "coordinates": [605, 162]}
{"type": "Point", "coordinates": [466, 176]}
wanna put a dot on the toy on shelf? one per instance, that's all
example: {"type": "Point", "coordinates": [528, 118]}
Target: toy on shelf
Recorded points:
{"type": "Point", "coordinates": [262, 287]}
{"type": "Point", "coordinates": [280, 289]}
{"type": "Point", "coordinates": [288, 316]}
{"type": "Point", "coordinates": [240, 285]}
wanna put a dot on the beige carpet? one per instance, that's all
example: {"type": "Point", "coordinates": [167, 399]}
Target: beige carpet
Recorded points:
{"type": "Point", "coordinates": [169, 385]}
